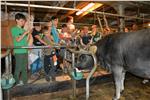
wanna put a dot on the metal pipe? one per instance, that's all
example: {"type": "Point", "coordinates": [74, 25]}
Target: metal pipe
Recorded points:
{"type": "Point", "coordinates": [35, 47]}
{"type": "Point", "coordinates": [100, 24]}
{"type": "Point", "coordinates": [79, 52]}
{"type": "Point", "coordinates": [38, 6]}
{"type": "Point", "coordinates": [6, 95]}
{"type": "Point", "coordinates": [105, 21]}
{"type": "Point", "coordinates": [7, 65]}
{"type": "Point", "coordinates": [10, 63]}
{"type": "Point", "coordinates": [73, 70]}
{"type": "Point", "coordinates": [92, 71]}
{"type": "Point", "coordinates": [63, 8]}
{"type": "Point", "coordinates": [89, 76]}
{"type": "Point", "coordinates": [121, 19]}
{"type": "Point", "coordinates": [29, 9]}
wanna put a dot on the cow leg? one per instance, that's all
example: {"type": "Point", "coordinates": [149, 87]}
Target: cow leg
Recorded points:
{"type": "Point", "coordinates": [122, 81]}
{"type": "Point", "coordinates": [118, 79]}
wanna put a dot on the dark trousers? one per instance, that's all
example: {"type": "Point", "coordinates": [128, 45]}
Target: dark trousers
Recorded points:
{"type": "Point", "coordinates": [49, 68]}
{"type": "Point", "coordinates": [21, 67]}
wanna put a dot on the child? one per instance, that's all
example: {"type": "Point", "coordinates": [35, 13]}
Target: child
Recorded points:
{"type": "Point", "coordinates": [38, 38]}
{"type": "Point", "coordinates": [37, 41]}
{"type": "Point", "coordinates": [20, 38]}
{"type": "Point", "coordinates": [50, 59]}
{"type": "Point", "coordinates": [37, 34]}
{"type": "Point", "coordinates": [64, 35]}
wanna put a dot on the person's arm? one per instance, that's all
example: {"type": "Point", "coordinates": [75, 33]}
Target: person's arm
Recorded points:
{"type": "Point", "coordinates": [49, 37]}
{"type": "Point", "coordinates": [91, 40]}
{"type": "Point", "coordinates": [39, 38]}
{"type": "Point", "coordinates": [82, 42]}
{"type": "Point", "coordinates": [17, 37]}
{"type": "Point", "coordinates": [30, 40]}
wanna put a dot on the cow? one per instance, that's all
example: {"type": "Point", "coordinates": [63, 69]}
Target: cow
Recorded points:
{"type": "Point", "coordinates": [123, 52]}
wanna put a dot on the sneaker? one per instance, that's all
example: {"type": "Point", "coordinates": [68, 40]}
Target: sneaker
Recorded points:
{"type": "Point", "coordinates": [20, 83]}
{"type": "Point", "coordinates": [50, 78]}
{"type": "Point", "coordinates": [47, 78]}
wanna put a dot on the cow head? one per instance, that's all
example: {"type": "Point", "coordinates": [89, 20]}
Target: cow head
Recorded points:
{"type": "Point", "coordinates": [86, 61]}
{"type": "Point", "coordinates": [100, 50]}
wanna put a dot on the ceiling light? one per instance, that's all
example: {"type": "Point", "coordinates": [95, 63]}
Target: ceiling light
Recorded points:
{"type": "Point", "coordinates": [85, 8]}
{"type": "Point", "coordinates": [97, 5]}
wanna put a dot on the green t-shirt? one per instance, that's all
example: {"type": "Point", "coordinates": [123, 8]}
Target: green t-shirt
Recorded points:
{"type": "Point", "coordinates": [16, 32]}
{"type": "Point", "coordinates": [96, 37]}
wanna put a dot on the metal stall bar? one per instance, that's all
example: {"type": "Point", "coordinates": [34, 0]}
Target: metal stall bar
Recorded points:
{"type": "Point", "coordinates": [73, 81]}
{"type": "Point", "coordinates": [73, 62]}
{"type": "Point", "coordinates": [7, 71]}
{"type": "Point", "coordinates": [64, 8]}
{"type": "Point", "coordinates": [10, 63]}
{"type": "Point", "coordinates": [91, 73]}
{"type": "Point", "coordinates": [35, 47]}
{"type": "Point", "coordinates": [89, 76]}
{"type": "Point", "coordinates": [121, 11]}
{"type": "Point", "coordinates": [8, 97]}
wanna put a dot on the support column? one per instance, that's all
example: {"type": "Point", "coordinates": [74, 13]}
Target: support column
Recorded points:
{"type": "Point", "coordinates": [121, 19]}
{"type": "Point", "coordinates": [73, 80]}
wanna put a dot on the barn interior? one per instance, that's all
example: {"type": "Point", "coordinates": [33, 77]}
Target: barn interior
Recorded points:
{"type": "Point", "coordinates": [109, 17]}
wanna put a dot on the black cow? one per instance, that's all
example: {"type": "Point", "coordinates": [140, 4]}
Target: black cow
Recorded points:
{"type": "Point", "coordinates": [124, 52]}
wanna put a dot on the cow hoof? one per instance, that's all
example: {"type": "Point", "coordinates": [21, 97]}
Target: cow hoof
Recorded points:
{"type": "Point", "coordinates": [145, 81]}
{"type": "Point", "coordinates": [122, 92]}
{"type": "Point", "coordinates": [47, 78]}
{"type": "Point", "coordinates": [115, 98]}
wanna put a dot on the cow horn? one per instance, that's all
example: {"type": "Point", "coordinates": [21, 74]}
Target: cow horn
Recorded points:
{"type": "Point", "coordinates": [93, 49]}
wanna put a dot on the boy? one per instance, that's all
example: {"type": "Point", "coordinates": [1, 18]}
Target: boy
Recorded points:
{"type": "Point", "coordinates": [64, 35]}
{"type": "Point", "coordinates": [38, 38]}
{"type": "Point", "coordinates": [37, 34]}
{"type": "Point", "coordinates": [86, 39]}
{"type": "Point", "coordinates": [54, 31]}
{"type": "Point", "coordinates": [20, 38]}
{"type": "Point", "coordinates": [55, 35]}
{"type": "Point", "coordinates": [50, 59]}
{"type": "Point", "coordinates": [95, 34]}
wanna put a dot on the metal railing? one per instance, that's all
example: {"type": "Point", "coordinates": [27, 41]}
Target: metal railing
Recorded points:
{"type": "Point", "coordinates": [72, 9]}
{"type": "Point", "coordinates": [8, 71]}
{"type": "Point", "coordinates": [73, 61]}
{"type": "Point", "coordinates": [89, 75]}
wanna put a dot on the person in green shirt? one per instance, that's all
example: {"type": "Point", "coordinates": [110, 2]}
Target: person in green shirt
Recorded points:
{"type": "Point", "coordinates": [21, 38]}
{"type": "Point", "coordinates": [95, 34]}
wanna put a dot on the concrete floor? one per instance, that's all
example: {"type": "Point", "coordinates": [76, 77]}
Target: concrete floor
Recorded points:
{"type": "Point", "coordinates": [134, 90]}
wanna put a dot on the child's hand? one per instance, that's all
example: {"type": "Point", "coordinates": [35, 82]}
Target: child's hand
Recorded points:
{"type": "Point", "coordinates": [25, 33]}
{"type": "Point", "coordinates": [28, 32]}
{"type": "Point", "coordinates": [30, 40]}
{"type": "Point", "coordinates": [17, 39]}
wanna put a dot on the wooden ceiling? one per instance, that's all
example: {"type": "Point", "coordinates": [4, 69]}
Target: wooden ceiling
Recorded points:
{"type": "Point", "coordinates": [132, 8]}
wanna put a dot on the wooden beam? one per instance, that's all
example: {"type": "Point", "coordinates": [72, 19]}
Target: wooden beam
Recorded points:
{"type": "Point", "coordinates": [62, 4]}
{"type": "Point", "coordinates": [79, 6]}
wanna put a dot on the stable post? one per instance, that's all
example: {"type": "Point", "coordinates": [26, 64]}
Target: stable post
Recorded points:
{"type": "Point", "coordinates": [73, 81]}
{"type": "Point", "coordinates": [121, 19]}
